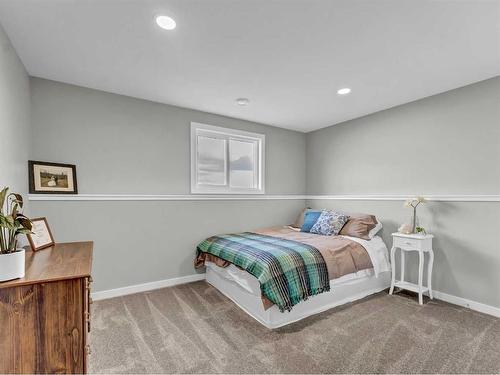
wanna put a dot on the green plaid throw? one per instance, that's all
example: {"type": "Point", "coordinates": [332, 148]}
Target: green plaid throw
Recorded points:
{"type": "Point", "coordinates": [288, 271]}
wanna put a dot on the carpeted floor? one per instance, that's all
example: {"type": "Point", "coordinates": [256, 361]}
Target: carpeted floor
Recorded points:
{"type": "Point", "coordinates": [193, 328]}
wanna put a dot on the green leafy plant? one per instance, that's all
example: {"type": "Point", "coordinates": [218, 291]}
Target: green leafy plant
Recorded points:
{"type": "Point", "coordinates": [12, 221]}
{"type": "Point", "coordinates": [420, 230]}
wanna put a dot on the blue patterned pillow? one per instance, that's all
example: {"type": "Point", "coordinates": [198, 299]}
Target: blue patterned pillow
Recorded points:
{"type": "Point", "coordinates": [329, 223]}
{"type": "Point", "coordinates": [310, 219]}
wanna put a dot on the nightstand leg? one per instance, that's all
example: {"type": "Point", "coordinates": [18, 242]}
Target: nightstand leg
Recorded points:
{"type": "Point", "coordinates": [429, 272]}
{"type": "Point", "coordinates": [420, 274]}
{"type": "Point", "coordinates": [393, 268]}
{"type": "Point", "coordinates": [402, 265]}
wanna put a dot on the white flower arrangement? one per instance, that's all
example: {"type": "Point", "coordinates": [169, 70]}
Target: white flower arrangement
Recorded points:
{"type": "Point", "coordinates": [413, 203]}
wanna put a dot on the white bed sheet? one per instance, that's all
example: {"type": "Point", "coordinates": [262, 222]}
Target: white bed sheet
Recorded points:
{"type": "Point", "coordinates": [377, 251]}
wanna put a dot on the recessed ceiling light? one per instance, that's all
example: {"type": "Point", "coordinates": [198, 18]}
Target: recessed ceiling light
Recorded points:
{"type": "Point", "coordinates": [344, 91]}
{"type": "Point", "coordinates": [165, 22]}
{"type": "Point", "coordinates": [242, 101]}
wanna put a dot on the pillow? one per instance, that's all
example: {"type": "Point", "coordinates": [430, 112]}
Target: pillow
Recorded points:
{"type": "Point", "coordinates": [329, 223]}
{"type": "Point", "coordinates": [300, 219]}
{"type": "Point", "coordinates": [310, 219]}
{"type": "Point", "coordinates": [375, 230]}
{"type": "Point", "coordinates": [360, 225]}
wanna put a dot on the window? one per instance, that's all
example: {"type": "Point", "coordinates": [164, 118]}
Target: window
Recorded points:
{"type": "Point", "coordinates": [226, 161]}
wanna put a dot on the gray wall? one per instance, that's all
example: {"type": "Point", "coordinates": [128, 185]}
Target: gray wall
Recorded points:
{"type": "Point", "coordinates": [123, 145]}
{"type": "Point", "coordinates": [142, 241]}
{"type": "Point", "coordinates": [14, 118]}
{"type": "Point", "coordinates": [131, 146]}
{"type": "Point", "coordinates": [444, 144]}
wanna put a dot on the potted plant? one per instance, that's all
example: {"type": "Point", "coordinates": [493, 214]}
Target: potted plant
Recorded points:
{"type": "Point", "coordinates": [12, 224]}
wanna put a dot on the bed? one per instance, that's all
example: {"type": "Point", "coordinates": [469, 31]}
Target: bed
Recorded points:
{"type": "Point", "coordinates": [357, 268]}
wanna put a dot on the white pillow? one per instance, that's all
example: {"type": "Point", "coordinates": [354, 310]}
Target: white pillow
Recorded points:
{"type": "Point", "coordinates": [375, 230]}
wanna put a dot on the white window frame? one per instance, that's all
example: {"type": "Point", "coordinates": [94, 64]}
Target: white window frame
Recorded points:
{"type": "Point", "coordinates": [227, 134]}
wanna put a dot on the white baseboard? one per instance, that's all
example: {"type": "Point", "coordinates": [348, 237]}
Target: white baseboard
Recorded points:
{"type": "Point", "coordinates": [132, 289]}
{"type": "Point", "coordinates": [473, 305]}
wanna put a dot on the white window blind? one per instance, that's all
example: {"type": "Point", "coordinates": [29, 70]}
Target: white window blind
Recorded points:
{"type": "Point", "coordinates": [226, 161]}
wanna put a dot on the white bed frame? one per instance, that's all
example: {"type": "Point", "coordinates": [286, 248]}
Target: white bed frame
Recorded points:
{"type": "Point", "coordinates": [340, 294]}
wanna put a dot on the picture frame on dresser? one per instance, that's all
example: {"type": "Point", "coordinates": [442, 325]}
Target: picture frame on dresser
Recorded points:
{"type": "Point", "coordinates": [41, 236]}
{"type": "Point", "coordinates": [52, 178]}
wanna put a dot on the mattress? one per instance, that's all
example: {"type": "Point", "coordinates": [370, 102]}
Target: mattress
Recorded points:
{"type": "Point", "coordinates": [244, 289]}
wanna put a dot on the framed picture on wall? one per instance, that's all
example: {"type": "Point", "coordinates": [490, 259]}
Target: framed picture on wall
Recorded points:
{"type": "Point", "coordinates": [52, 178]}
{"type": "Point", "coordinates": [41, 236]}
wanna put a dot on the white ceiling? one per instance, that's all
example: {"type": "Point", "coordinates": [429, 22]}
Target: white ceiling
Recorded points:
{"type": "Point", "coordinates": [288, 57]}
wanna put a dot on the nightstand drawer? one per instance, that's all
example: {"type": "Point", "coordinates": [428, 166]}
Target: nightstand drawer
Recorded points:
{"type": "Point", "coordinates": [413, 243]}
{"type": "Point", "coordinates": [406, 242]}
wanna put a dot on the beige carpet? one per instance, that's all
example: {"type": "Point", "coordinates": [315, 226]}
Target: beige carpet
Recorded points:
{"type": "Point", "coordinates": [193, 328]}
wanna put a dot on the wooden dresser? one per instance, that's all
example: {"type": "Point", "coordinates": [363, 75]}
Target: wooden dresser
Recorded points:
{"type": "Point", "coordinates": [45, 316]}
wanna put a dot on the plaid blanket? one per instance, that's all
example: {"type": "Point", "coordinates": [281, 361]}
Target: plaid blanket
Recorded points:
{"type": "Point", "coordinates": [288, 271]}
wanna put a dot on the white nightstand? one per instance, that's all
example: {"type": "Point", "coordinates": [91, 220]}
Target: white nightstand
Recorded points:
{"type": "Point", "coordinates": [413, 242]}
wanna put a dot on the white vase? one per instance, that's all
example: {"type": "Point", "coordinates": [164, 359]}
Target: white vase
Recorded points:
{"type": "Point", "coordinates": [12, 265]}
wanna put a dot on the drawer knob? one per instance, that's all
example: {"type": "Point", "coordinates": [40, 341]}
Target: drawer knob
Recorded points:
{"type": "Point", "coordinates": [87, 320]}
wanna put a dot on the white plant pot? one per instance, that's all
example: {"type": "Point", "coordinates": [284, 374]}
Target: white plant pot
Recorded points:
{"type": "Point", "coordinates": [12, 265]}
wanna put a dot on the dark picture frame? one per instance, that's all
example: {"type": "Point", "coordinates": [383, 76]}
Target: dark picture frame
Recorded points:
{"type": "Point", "coordinates": [47, 235]}
{"type": "Point", "coordinates": [38, 184]}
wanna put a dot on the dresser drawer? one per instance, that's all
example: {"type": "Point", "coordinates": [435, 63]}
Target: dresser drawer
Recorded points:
{"type": "Point", "coordinates": [413, 243]}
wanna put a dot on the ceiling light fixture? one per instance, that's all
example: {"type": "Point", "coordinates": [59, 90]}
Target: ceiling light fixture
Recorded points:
{"type": "Point", "coordinates": [165, 22]}
{"type": "Point", "coordinates": [242, 101]}
{"type": "Point", "coordinates": [344, 91]}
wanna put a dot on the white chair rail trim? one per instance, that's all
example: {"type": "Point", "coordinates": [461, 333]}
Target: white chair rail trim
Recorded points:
{"type": "Point", "coordinates": [160, 197]}
{"type": "Point", "coordinates": [200, 197]}
{"type": "Point", "coordinates": [436, 198]}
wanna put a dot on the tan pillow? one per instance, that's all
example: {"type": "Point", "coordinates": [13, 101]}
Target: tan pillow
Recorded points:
{"type": "Point", "coordinates": [359, 225]}
{"type": "Point", "coordinates": [300, 219]}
